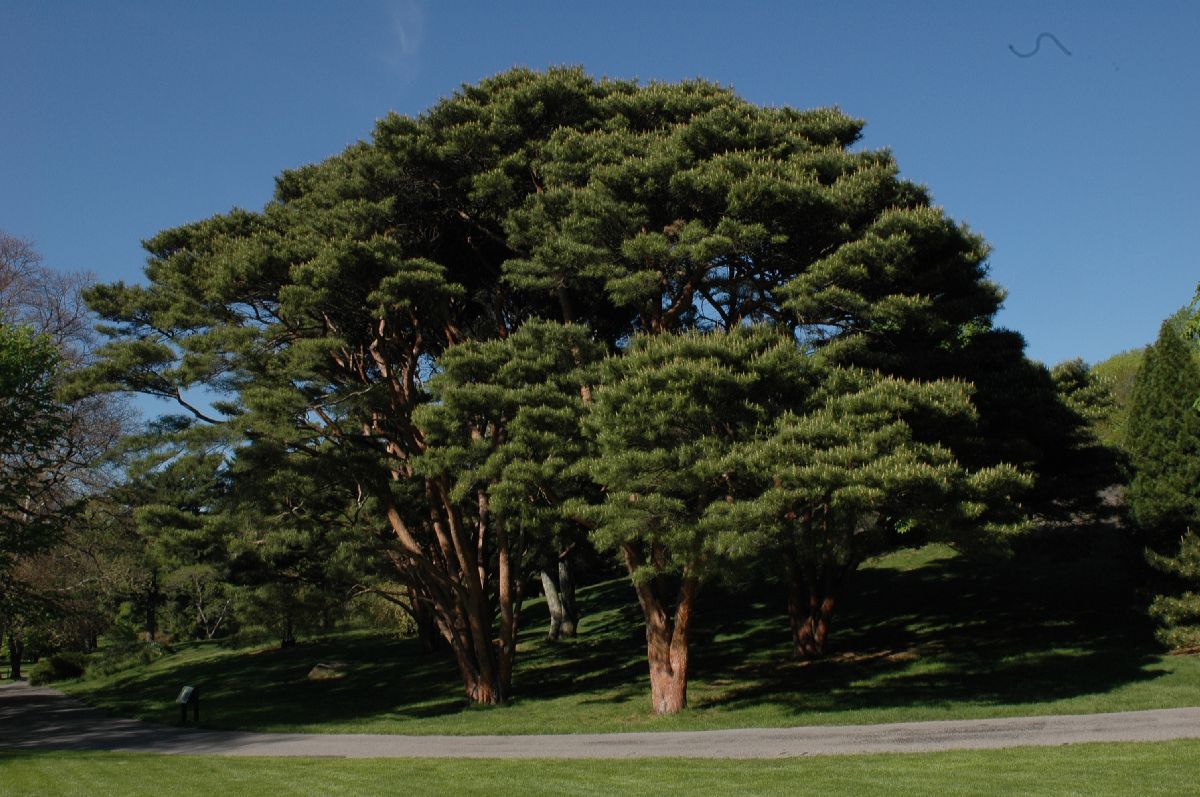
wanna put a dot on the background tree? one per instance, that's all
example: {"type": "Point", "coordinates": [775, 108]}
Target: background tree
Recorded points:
{"type": "Point", "coordinates": [1089, 464]}
{"type": "Point", "coordinates": [1118, 371]}
{"type": "Point", "coordinates": [1164, 441]}
{"type": "Point", "coordinates": [300, 544]}
{"type": "Point", "coordinates": [53, 443]}
{"type": "Point", "coordinates": [1085, 392]}
{"type": "Point", "coordinates": [29, 425]}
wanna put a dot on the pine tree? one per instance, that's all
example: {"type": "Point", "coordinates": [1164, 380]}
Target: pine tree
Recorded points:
{"type": "Point", "coordinates": [632, 209]}
{"type": "Point", "coordinates": [845, 467]}
{"type": "Point", "coordinates": [503, 443]}
{"type": "Point", "coordinates": [1164, 441]}
{"type": "Point", "coordinates": [665, 418]}
{"type": "Point", "coordinates": [1179, 614]}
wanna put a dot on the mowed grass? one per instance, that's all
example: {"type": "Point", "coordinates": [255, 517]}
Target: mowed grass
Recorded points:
{"type": "Point", "coordinates": [922, 634]}
{"type": "Point", "coordinates": [1094, 770]}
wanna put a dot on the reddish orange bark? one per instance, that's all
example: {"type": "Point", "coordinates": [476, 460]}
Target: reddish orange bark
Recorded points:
{"type": "Point", "coordinates": [667, 636]}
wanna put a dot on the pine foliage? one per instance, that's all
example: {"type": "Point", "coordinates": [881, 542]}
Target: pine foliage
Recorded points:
{"type": "Point", "coordinates": [1164, 440]}
{"type": "Point", "coordinates": [405, 312]}
{"type": "Point", "coordinates": [1179, 614]}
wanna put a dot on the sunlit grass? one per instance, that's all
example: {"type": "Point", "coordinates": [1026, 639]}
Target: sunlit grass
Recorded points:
{"type": "Point", "coordinates": [1094, 770]}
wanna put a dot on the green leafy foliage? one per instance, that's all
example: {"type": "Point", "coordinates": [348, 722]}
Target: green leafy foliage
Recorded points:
{"type": "Point", "coordinates": [503, 426]}
{"type": "Point", "coordinates": [58, 667]}
{"type": "Point", "coordinates": [30, 420]}
{"type": "Point", "coordinates": [30, 423]}
{"type": "Point", "coordinates": [1084, 391]}
{"type": "Point", "coordinates": [1120, 370]}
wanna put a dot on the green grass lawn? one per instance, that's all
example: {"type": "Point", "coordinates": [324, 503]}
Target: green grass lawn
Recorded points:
{"type": "Point", "coordinates": [1093, 770]}
{"type": "Point", "coordinates": [924, 634]}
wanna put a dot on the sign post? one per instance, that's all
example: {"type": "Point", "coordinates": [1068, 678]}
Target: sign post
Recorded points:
{"type": "Point", "coordinates": [189, 696]}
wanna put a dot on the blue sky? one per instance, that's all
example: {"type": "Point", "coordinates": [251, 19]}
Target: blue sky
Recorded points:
{"type": "Point", "coordinates": [1081, 170]}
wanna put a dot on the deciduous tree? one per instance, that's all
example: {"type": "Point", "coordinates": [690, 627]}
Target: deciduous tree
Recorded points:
{"type": "Point", "coordinates": [50, 445]}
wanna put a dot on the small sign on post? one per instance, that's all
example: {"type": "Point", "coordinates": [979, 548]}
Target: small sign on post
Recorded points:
{"type": "Point", "coordinates": [189, 696]}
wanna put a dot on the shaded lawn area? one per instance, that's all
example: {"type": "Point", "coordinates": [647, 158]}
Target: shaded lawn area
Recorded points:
{"type": "Point", "coordinates": [1095, 770]}
{"type": "Point", "coordinates": [923, 634]}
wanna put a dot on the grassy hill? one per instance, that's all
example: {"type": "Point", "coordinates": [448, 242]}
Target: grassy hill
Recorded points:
{"type": "Point", "coordinates": [1118, 371]}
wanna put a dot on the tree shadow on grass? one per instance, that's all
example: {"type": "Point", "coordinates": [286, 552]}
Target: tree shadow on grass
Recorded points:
{"type": "Point", "coordinates": [386, 678]}
{"type": "Point", "coordinates": [606, 661]}
{"type": "Point", "coordinates": [271, 687]}
{"type": "Point", "coordinates": [915, 631]}
{"type": "Point", "coordinates": [985, 631]}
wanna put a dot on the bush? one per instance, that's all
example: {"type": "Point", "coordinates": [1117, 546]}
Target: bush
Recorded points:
{"type": "Point", "coordinates": [58, 667]}
{"type": "Point", "coordinates": [383, 615]}
{"type": "Point", "coordinates": [125, 656]}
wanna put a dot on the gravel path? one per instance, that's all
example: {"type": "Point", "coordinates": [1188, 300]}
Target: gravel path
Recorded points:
{"type": "Point", "coordinates": [39, 718]}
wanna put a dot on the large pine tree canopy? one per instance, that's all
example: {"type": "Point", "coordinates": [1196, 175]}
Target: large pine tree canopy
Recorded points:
{"type": "Point", "coordinates": [427, 308]}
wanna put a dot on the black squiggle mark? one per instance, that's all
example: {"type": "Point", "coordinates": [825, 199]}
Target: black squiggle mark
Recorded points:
{"type": "Point", "coordinates": [1037, 45]}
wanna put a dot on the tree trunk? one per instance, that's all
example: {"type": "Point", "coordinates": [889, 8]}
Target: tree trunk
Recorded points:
{"type": "Point", "coordinates": [480, 691]}
{"type": "Point", "coordinates": [553, 605]}
{"type": "Point", "coordinates": [667, 654]}
{"type": "Point", "coordinates": [811, 601]}
{"type": "Point", "coordinates": [427, 629]}
{"type": "Point", "coordinates": [810, 624]}
{"type": "Point", "coordinates": [152, 608]}
{"type": "Point", "coordinates": [667, 637]}
{"type": "Point", "coordinates": [16, 654]}
{"type": "Point", "coordinates": [507, 649]}
{"type": "Point", "coordinates": [560, 597]}
{"type": "Point", "coordinates": [566, 590]}
{"type": "Point", "coordinates": [481, 688]}
{"type": "Point", "coordinates": [326, 618]}
{"type": "Point", "coordinates": [287, 636]}
{"type": "Point", "coordinates": [448, 577]}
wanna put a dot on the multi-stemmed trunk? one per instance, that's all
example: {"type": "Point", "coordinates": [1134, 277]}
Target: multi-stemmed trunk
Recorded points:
{"type": "Point", "coordinates": [667, 634]}
{"type": "Point", "coordinates": [445, 567]}
{"type": "Point", "coordinates": [813, 592]}
{"type": "Point", "coordinates": [810, 610]}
